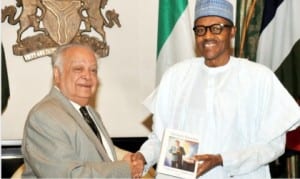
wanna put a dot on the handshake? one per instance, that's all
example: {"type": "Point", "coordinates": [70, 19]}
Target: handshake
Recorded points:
{"type": "Point", "coordinates": [207, 162]}
{"type": "Point", "coordinates": [136, 162]}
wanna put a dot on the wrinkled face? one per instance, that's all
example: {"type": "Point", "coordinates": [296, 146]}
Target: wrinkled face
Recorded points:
{"type": "Point", "coordinates": [78, 79]}
{"type": "Point", "coordinates": [215, 48]}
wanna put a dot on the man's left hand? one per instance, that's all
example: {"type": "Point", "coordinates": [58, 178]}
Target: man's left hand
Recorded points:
{"type": "Point", "coordinates": [207, 162]}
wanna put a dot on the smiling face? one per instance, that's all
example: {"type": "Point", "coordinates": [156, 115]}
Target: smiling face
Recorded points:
{"type": "Point", "coordinates": [215, 48]}
{"type": "Point", "coordinates": [77, 78]}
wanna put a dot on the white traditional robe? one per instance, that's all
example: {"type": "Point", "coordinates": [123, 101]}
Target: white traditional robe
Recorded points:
{"type": "Point", "coordinates": [239, 110]}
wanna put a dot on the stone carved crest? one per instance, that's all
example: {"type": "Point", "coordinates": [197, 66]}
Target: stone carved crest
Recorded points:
{"type": "Point", "coordinates": [58, 22]}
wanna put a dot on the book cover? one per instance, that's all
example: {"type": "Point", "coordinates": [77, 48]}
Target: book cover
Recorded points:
{"type": "Point", "coordinates": [177, 151]}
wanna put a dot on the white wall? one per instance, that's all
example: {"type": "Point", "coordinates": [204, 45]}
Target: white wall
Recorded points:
{"type": "Point", "coordinates": [127, 75]}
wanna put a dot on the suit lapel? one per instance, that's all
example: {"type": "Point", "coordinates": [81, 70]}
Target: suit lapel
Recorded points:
{"type": "Point", "coordinates": [65, 103]}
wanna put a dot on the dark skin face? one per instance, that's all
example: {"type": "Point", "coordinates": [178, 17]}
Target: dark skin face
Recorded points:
{"type": "Point", "coordinates": [215, 48]}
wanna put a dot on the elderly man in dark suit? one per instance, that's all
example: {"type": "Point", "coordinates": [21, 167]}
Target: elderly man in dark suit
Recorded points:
{"type": "Point", "coordinates": [177, 152]}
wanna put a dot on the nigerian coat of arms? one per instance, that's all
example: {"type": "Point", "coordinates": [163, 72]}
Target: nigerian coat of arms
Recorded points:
{"type": "Point", "coordinates": [59, 22]}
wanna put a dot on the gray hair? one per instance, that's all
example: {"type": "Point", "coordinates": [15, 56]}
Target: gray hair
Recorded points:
{"type": "Point", "coordinates": [57, 56]}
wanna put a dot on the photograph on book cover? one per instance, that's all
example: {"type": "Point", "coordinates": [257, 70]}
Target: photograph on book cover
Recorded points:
{"type": "Point", "coordinates": [177, 151]}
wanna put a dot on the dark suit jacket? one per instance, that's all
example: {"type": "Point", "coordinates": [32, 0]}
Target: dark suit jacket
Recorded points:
{"type": "Point", "coordinates": [57, 142]}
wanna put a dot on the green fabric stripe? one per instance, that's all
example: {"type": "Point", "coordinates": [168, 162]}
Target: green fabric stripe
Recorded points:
{"type": "Point", "coordinates": [238, 24]}
{"type": "Point", "coordinates": [252, 34]}
{"type": "Point", "coordinates": [169, 12]}
{"type": "Point", "coordinates": [289, 71]}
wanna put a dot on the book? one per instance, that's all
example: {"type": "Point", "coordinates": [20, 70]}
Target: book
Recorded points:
{"type": "Point", "coordinates": [176, 154]}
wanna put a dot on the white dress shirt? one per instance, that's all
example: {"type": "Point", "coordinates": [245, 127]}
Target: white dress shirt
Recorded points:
{"type": "Point", "coordinates": [104, 141]}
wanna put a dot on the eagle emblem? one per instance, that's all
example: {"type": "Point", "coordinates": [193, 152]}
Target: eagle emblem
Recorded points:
{"type": "Point", "coordinates": [59, 22]}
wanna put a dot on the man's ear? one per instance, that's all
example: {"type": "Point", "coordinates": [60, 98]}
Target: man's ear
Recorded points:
{"type": "Point", "coordinates": [232, 32]}
{"type": "Point", "coordinates": [56, 75]}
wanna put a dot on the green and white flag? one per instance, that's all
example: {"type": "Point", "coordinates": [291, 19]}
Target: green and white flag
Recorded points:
{"type": "Point", "coordinates": [279, 42]}
{"type": "Point", "coordinates": [175, 41]}
{"type": "Point", "coordinates": [279, 49]}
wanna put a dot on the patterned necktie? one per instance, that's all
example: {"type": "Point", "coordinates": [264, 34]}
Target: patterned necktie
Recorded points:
{"type": "Point", "coordinates": [90, 121]}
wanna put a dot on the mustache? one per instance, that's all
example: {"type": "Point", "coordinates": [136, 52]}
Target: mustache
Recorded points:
{"type": "Point", "coordinates": [209, 41]}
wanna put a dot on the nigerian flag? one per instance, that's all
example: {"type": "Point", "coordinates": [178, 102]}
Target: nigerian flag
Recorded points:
{"type": "Point", "coordinates": [175, 41]}
{"type": "Point", "coordinates": [279, 43]}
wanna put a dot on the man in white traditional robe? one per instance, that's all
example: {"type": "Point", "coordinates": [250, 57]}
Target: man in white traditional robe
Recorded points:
{"type": "Point", "coordinates": [238, 109]}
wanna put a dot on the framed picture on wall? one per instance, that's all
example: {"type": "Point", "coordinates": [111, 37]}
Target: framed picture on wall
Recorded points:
{"type": "Point", "coordinates": [177, 151]}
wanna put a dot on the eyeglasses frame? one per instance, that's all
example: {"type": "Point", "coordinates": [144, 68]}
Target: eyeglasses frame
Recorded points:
{"type": "Point", "coordinates": [210, 28]}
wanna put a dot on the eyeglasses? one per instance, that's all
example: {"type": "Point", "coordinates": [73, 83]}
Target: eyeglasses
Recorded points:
{"type": "Point", "coordinates": [214, 29]}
